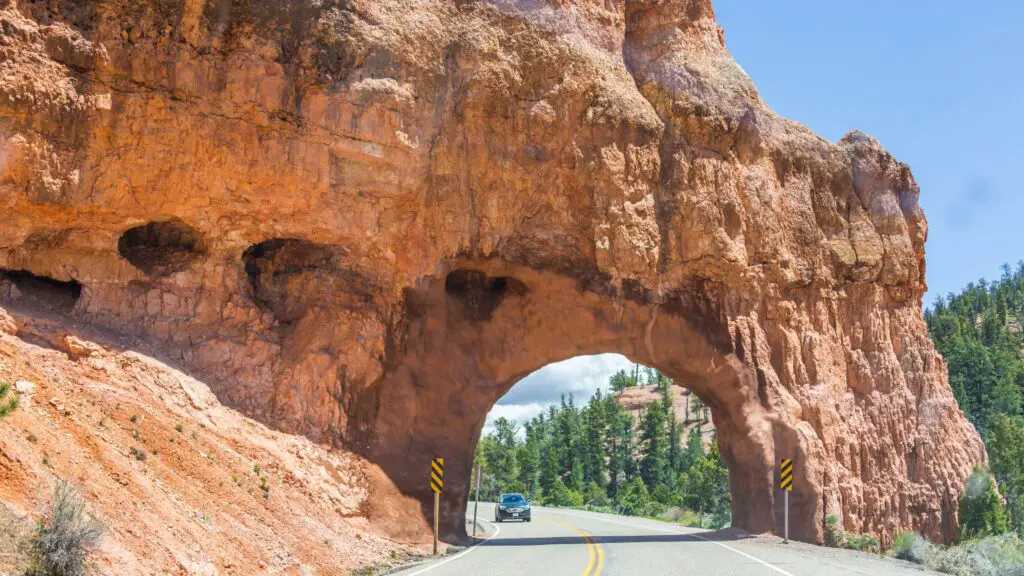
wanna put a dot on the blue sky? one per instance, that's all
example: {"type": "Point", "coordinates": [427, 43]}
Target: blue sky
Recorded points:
{"type": "Point", "coordinates": [939, 83]}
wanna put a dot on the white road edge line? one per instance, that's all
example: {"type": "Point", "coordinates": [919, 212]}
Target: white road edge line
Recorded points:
{"type": "Point", "coordinates": [497, 530]}
{"type": "Point", "coordinates": [654, 529]}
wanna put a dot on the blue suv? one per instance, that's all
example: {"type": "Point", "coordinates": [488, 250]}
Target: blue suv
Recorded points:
{"type": "Point", "coordinates": [512, 506]}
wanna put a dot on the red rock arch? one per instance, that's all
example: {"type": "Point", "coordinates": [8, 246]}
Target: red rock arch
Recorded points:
{"type": "Point", "coordinates": [456, 363]}
{"type": "Point", "coordinates": [607, 167]}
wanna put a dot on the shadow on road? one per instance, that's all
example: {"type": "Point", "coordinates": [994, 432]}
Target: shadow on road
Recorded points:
{"type": "Point", "coordinates": [617, 539]}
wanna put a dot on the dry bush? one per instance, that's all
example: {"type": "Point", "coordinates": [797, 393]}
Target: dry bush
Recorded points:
{"type": "Point", "coordinates": [65, 536]}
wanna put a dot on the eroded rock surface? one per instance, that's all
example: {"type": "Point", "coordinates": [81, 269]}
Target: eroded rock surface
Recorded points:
{"type": "Point", "coordinates": [365, 220]}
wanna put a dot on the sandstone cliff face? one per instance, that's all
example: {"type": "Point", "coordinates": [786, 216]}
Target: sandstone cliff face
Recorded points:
{"type": "Point", "coordinates": [363, 221]}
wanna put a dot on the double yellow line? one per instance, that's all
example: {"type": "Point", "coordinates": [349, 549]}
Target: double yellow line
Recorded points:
{"type": "Point", "coordinates": [594, 550]}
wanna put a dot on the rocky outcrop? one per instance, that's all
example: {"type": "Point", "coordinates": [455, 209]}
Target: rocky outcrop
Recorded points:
{"type": "Point", "coordinates": [364, 221]}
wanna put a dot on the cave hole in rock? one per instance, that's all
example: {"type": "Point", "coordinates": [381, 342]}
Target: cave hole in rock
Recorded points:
{"type": "Point", "coordinates": [286, 274]}
{"type": "Point", "coordinates": [21, 286]}
{"type": "Point", "coordinates": [161, 248]}
{"type": "Point", "coordinates": [479, 294]}
{"type": "Point", "coordinates": [608, 434]}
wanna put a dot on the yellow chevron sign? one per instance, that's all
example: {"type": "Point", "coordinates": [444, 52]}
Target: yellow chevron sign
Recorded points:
{"type": "Point", "coordinates": [786, 475]}
{"type": "Point", "coordinates": [437, 475]}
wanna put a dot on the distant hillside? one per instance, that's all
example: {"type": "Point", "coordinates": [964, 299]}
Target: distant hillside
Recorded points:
{"type": "Point", "coordinates": [685, 404]}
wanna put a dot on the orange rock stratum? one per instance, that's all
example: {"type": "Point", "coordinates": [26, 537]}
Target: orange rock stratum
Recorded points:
{"type": "Point", "coordinates": [363, 221]}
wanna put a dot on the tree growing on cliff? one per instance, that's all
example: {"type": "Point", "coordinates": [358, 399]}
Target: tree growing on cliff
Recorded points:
{"type": "Point", "coordinates": [621, 380]}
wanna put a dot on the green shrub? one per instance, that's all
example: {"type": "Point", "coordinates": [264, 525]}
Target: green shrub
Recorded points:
{"type": "Point", "coordinates": [653, 509]}
{"type": "Point", "coordinates": [1001, 555]}
{"type": "Point", "coordinates": [679, 515]}
{"type": "Point", "coordinates": [596, 495]}
{"type": "Point", "coordinates": [666, 496]}
{"type": "Point", "coordinates": [562, 496]}
{"type": "Point", "coordinates": [834, 535]}
{"type": "Point", "coordinates": [913, 547]}
{"type": "Point", "coordinates": [981, 508]}
{"type": "Point", "coordinates": [863, 543]}
{"type": "Point", "coordinates": [65, 536]}
{"type": "Point", "coordinates": [633, 498]}
{"type": "Point", "coordinates": [7, 405]}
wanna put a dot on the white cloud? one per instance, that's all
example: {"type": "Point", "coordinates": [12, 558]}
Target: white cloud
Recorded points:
{"type": "Point", "coordinates": [580, 376]}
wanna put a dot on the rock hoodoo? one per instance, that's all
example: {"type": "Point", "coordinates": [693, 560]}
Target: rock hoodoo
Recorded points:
{"type": "Point", "coordinates": [364, 221]}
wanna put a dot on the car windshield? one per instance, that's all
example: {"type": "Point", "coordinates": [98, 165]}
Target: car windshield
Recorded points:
{"type": "Point", "coordinates": [513, 499]}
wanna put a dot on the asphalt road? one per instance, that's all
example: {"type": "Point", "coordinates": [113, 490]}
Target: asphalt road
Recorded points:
{"type": "Point", "coordinates": [570, 542]}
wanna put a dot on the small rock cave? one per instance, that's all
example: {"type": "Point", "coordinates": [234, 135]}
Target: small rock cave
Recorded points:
{"type": "Point", "coordinates": [161, 248]}
{"type": "Point", "coordinates": [23, 286]}
{"type": "Point", "coordinates": [284, 273]}
{"type": "Point", "coordinates": [478, 294]}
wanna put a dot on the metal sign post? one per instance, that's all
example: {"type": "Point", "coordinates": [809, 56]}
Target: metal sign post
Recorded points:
{"type": "Point", "coordinates": [786, 483]}
{"type": "Point", "coordinates": [476, 503]}
{"type": "Point", "coordinates": [437, 485]}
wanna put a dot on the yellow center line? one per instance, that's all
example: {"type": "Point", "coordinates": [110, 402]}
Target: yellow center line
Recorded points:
{"type": "Point", "coordinates": [594, 550]}
{"type": "Point", "coordinates": [600, 559]}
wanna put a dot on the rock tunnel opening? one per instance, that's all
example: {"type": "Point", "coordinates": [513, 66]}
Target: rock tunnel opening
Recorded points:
{"type": "Point", "coordinates": [474, 338]}
{"type": "Point", "coordinates": [43, 291]}
{"type": "Point", "coordinates": [607, 434]}
{"type": "Point", "coordinates": [161, 248]}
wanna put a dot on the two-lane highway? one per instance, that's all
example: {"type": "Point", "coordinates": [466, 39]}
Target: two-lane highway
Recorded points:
{"type": "Point", "coordinates": [571, 542]}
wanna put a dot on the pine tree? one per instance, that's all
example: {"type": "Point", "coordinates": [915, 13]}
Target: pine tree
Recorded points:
{"type": "Point", "coordinates": [499, 453]}
{"type": "Point", "coordinates": [549, 468]}
{"type": "Point", "coordinates": [673, 429]}
{"type": "Point", "coordinates": [619, 446]}
{"type": "Point", "coordinates": [654, 449]}
{"type": "Point", "coordinates": [698, 408]}
{"type": "Point", "coordinates": [675, 449]}
{"type": "Point", "coordinates": [528, 458]}
{"type": "Point", "coordinates": [621, 380]}
{"type": "Point", "coordinates": [694, 450]}
{"type": "Point", "coordinates": [706, 486]}
{"type": "Point", "coordinates": [1006, 455]}
{"type": "Point", "coordinates": [593, 441]}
